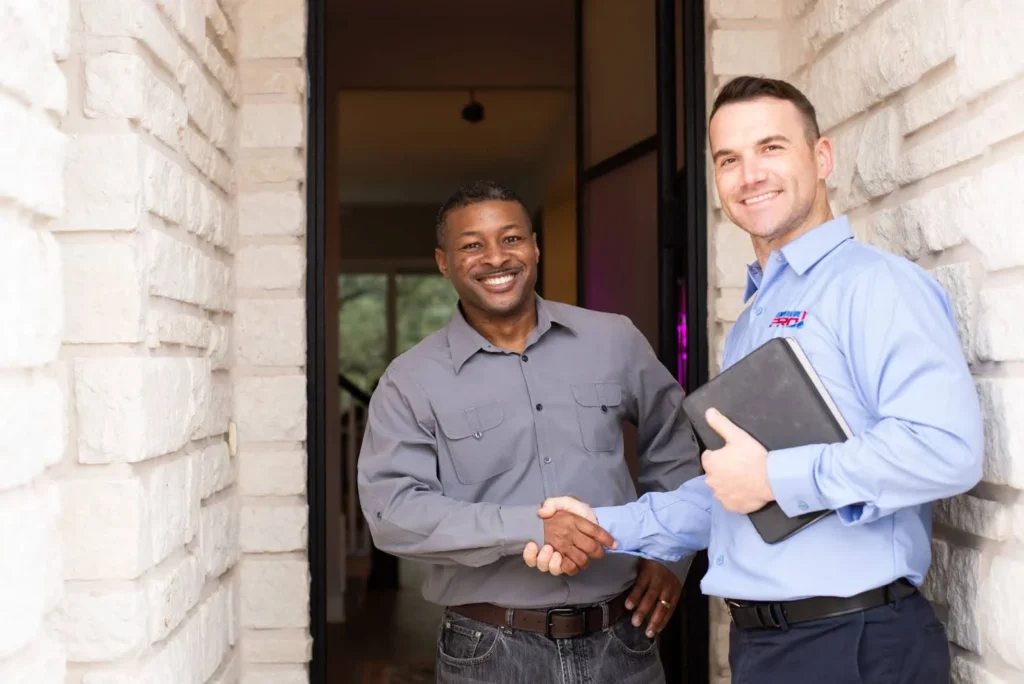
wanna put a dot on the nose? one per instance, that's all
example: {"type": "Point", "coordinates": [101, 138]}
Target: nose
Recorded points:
{"type": "Point", "coordinates": [753, 172]}
{"type": "Point", "coordinates": [494, 255]}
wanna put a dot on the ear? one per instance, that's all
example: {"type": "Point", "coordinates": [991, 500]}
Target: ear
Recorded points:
{"type": "Point", "coordinates": [823, 157]}
{"type": "Point", "coordinates": [536, 247]}
{"type": "Point", "coordinates": [442, 261]}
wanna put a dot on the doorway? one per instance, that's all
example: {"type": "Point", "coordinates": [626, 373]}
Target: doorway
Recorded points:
{"type": "Point", "coordinates": [576, 178]}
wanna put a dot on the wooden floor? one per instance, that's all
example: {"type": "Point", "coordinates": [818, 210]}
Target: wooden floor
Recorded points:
{"type": "Point", "coordinates": [388, 637]}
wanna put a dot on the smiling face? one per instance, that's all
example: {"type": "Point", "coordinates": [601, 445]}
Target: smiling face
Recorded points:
{"type": "Point", "coordinates": [770, 177]}
{"type": "Point", "coordinates": [490, 255]}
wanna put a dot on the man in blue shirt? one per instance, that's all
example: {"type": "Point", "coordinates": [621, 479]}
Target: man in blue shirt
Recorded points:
{"type": "Point", "coordinates": [838, 601]}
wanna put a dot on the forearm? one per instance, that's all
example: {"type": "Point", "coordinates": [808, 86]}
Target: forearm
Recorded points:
{"type": "Point", "coordinates": [662, 526]}
{"type": "Point", "coordinates": [426, 526]}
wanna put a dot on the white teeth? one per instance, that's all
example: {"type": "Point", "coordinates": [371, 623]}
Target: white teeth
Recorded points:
{"type": "Point", "coordinates": [499, 280]}
{"type": "Point", "coordinates": [762, 198]}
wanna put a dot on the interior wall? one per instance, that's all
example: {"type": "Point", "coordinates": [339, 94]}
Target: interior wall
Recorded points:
{"type": "Point", "coordinates": [558, 257]}
{"type": "Point", "coordinates": [388, 232]}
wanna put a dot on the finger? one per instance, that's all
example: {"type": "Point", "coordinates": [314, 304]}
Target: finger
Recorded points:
{"type": "Point", "coordinates": [647, 601]}
{"type": "Point", "coordinates": [725, 428]}
{"type": "Point", "coordinates": [660, 616]}
{"type": "Point", "coordinates": [576, 555]}
{"type": "Point", "coordinates": [544, 558]}
{"type": "Point", "coordinates": [707, 461]}
{"type": "Point", "coordinates": [530, 554]}
{"type": "Point", "coordinates": [594, 532]}
{"type": "Point", "coordinates": [566, 565]}
{"type": "Point", "coordinates": [548, 508]}
{"type": "Point", "coordinates": [556, 564]}
{"type": "Point", "coordinates": [642, 580]}
{"type": "Point", "coordinates": [588, 546]}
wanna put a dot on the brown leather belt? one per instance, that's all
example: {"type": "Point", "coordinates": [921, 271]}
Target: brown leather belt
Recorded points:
{"type": "Point", "coordinates": [767, 615]}
{"type": "Point", "coordinates": [555, 623]}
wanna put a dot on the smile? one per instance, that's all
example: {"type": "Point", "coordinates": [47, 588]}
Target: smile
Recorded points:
{"type": "Point", "coordinates": [500, 282]}
{"type": "Point", "coordinates": [762, 198]}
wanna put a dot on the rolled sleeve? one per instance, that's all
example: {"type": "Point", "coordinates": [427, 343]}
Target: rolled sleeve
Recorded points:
{"type": "Point", "coordinates": [791, 477]}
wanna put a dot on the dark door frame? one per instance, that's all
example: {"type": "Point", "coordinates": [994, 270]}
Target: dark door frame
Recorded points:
{"type": "Point", "coordinates": [682, 259]}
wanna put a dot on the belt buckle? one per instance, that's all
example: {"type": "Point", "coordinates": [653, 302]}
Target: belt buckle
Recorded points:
{"type": "Point", "coordinates": [766, 617]}
{"type": "Point", "coordinates": [558, 612]}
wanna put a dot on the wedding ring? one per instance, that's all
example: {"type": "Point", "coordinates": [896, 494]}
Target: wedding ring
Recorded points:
{"type": "Point", "coordinates": [665, 603]}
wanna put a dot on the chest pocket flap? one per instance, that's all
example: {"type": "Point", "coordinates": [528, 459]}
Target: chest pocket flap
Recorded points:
{"type": "Point", "coordinates": [596, 410]}
{"type": "Point", "coordinates": [475, 441]}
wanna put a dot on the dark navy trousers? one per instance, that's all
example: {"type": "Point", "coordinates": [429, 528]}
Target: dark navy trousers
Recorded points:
{"type": "Point", "coordinates": [899, 643]}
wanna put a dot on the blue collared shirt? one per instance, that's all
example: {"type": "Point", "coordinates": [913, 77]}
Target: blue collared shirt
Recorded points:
{"type": "Point", "coordinates": [880, 333]}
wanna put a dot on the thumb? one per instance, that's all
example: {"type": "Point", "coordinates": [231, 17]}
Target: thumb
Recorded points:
{"type": "Point", "coordinates": [557, 503]}
{"type": "Point", "coordinates": [725, 428]}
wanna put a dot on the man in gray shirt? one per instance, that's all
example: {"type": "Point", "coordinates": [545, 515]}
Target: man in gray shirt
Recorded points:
{"type": "Point", "coordinates": [518, 399]}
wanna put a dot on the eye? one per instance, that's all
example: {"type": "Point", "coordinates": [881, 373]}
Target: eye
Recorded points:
{"type": "Point", "coordinates": [470, 245]}
{"type": "Point", "coordinates": [727, 161]}
{"type": "Point", "coordinates": [513, 238]}
{"type": "Point", "coordinates": [772, 148]}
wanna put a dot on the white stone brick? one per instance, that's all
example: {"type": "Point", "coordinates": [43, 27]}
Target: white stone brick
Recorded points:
{"type": "Point", "coordinates": [959, 572]}
{"type": "Point", "coordinates": [272, 527]}
{"type": "Point", "coordinates": [270, 267]}
{"type": "Point", "coordinates": [258, 79]}
{"type": "Point", "coordinates": [103, 291]}
{"type": "Point", "coordinates": [890, 230]}
{"type": "Point", "coordinates": [271, 332]}
{"type": "Point", "coordinates": [272, 125]}
{"type": "Point", "coordinates": [41, 662]}
{"type": "Point", "coordinates": [271, 408]}
{"type": "Point", "coordinates": [981, 517]}
{"type": "Point", "coordinates": [932, 103]}
{"type": "Point", "coordinates": [219, 350]}
{"type": "Point", "coordinates": [172, 501]}
{"type": "Point", "coordinates": [27, 46]}
{"type": "Point", "coordinates": [215, 616]}
{"type": "Point", "coordinates": [188, 17]}
{"type": "Point", "coordinates": [733, 251]}
{"type": "Point", "coordinates": [163, 186]}
{"type": "Point", "coordinates": [31, 300]}
{"type": "Point", "coordinates": [990, 51]}
{"type": "Point", "coordinates": [936, 580]}
{"type": "Point", "coordinates": [831, 18]}
{"type": "Point", "coordinates": [172, 328]}
{"type": "Point", "coordinates": [253, 170]}
{"type": "Point", "coordinates": [33, 425]}
{"type": "Point", "coordinates": [218, 535]}
{"type": "Point", "coordinates": [103, 182]}
{"type": "Point", "coordinates": [101, 623]}
{"type": "Point", "coordinates": [275, 674]}
{"type": "Point", "coordinates": [730, 306]}
{"type": "Point", "coordinates": [28, 534]}
{"type": "Point", "coordinates": [272, 473]}
{"type": "Point", "coordinates": [220, 409]}
{"type": "Point", "coordinates": [172, 589]}
{"type": "Point", "coordinates": [959, 282]}
{"type": "Point", "coordinates": [271, 29]}
{"type": "Point", "coordinates": [1000, 329]}
{"type": "Point", "coordinates": [103, 523]}
{"type": "Point", "coordinates": [1000, 605]}
{"type": "Point", "coordinates": [222, 30]}
{"type": "Point", "coordinates": [32, 173]}
{"type": "Point", "coordinates": [966, 671]}
{"type": "Point", "coordinates": [136, 408]}
{"type": "Point", "coordinates": [991, 197]}
{"type": "Point", "coordinates": [1018, 524]}
{"type": "Point", "coordinates": [185, 273]}
{"type": "Point", "coordinates": [207, 107]}
{"type": "Point", "coordinates": [136, 20]}
{"type": "Point", "coordinates": [218, 469]}
{"type": "Point", "coordinates": [207, 158]}
{"type": "Point", "coordinates": [735, 52]}
{"type": "Point", "coordinates": [746, 9]}
{"type": "Point", "coordinates": [276, 646]}
{"type": "Point", "coordinates": [222, 70]}
{"type": "Point", "coordinates": [271, 213]}
{"type": "Point", "coordinates": [896, 49]}
{"type": "Point", "coordinates": [1002, 404]}
{"type": "Point", "coordinates": [275, 592]}
{"type": "Point", "coordinates": [230, 671]}
{"type": "Point", "coordinates": [123, 86]}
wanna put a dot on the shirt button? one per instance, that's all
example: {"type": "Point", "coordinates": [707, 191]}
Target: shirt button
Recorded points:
{"type": "Point", "coordinates": [540, 407]}
{"type": "Point", "coordinates": [802, 505]}
{"type": "Point", "coordinates": [525, 358]}
{"type": "Point", "coordinates": [547, 459]}
{"type": "Point", "coordinates": [758, 310]}
{"type": "Point", "coordinates": [604, 409]}
{"type": "Point", "coordinates": [719, 560]}
{"type": "Point", "coordinates": [780, 257]}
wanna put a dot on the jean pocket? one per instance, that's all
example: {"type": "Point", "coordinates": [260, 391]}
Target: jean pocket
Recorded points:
{"type": "Point", "coordinates": [462, 641]}
{"type": "Point", "coordinates": [632, 640]}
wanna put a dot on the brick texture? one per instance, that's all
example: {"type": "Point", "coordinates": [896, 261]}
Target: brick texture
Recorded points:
{"type": "Point", "coordinates": [926, 128]}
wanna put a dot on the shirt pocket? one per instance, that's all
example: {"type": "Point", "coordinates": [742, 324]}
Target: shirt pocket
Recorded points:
{"type": "Point", "coordinates": [477, 443]}
{"type": "Point", "coordinates": [597, 412]}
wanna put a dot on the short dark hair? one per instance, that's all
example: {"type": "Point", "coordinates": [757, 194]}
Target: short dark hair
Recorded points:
{"type": "Point", "coordinates": [474, 193]}
{"type": "Point", "coordinates": [745, 88]}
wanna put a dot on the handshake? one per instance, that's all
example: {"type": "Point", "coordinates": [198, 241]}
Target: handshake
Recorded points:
{"type": "Point", "coordinates": [572, 537]}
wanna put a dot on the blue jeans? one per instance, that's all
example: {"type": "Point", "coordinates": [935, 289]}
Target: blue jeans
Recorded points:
{"type": "Point", "coordinates": [899, 643]}
{"type": "Point", "coordinates": [473, 651]}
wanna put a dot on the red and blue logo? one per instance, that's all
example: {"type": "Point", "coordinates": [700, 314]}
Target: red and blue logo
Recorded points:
{"type": "Point", "coordinates": [789, 319]}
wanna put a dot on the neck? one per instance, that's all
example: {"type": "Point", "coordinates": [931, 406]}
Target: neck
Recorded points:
{"type": "Point", "coordinates": [507, 332]}
{"type": "Point", "coordinates": [820, 213]}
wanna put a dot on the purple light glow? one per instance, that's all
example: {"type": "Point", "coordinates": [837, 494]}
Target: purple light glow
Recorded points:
{"type": "Point", "coordinates": [681, 336]}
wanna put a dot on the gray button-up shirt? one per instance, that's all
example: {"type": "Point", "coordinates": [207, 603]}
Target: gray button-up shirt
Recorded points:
{"type": "Point", "coordinates": [466, 440]}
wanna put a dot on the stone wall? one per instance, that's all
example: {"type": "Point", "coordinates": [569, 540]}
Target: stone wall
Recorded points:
{"type": "Point", "coordinates": [924, 100]}
{"type": "Point", "coordinates": [33, 414]}
{"type": "Point", "coordinates": [269, 342]}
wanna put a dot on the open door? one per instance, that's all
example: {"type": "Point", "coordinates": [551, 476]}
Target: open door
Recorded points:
{"type": "Point", "coordinates": [642, 214]}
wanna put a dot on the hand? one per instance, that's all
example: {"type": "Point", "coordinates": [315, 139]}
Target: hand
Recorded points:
{"type": "Point", "coordinates": [547, 559]}
{"type": "Point", "coordinates": [737, 473]}
{"type": "Point", "coordinates": [654, 583]}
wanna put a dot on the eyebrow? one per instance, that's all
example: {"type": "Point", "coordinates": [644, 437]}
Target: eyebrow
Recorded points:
{"type": "Point", "coordinates": [759, 143]}
{"type": "Point", "coordinates": [477, 233]}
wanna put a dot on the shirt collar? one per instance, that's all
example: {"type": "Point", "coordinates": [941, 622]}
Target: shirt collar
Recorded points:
{"type": "Point", "coordinates": [804, 252]}
{"type": "Point", "coordinates": [464, 341]}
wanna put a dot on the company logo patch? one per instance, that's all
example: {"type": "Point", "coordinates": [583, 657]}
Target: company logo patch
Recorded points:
{"type": "Point", "coordinates": [789, 319]}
